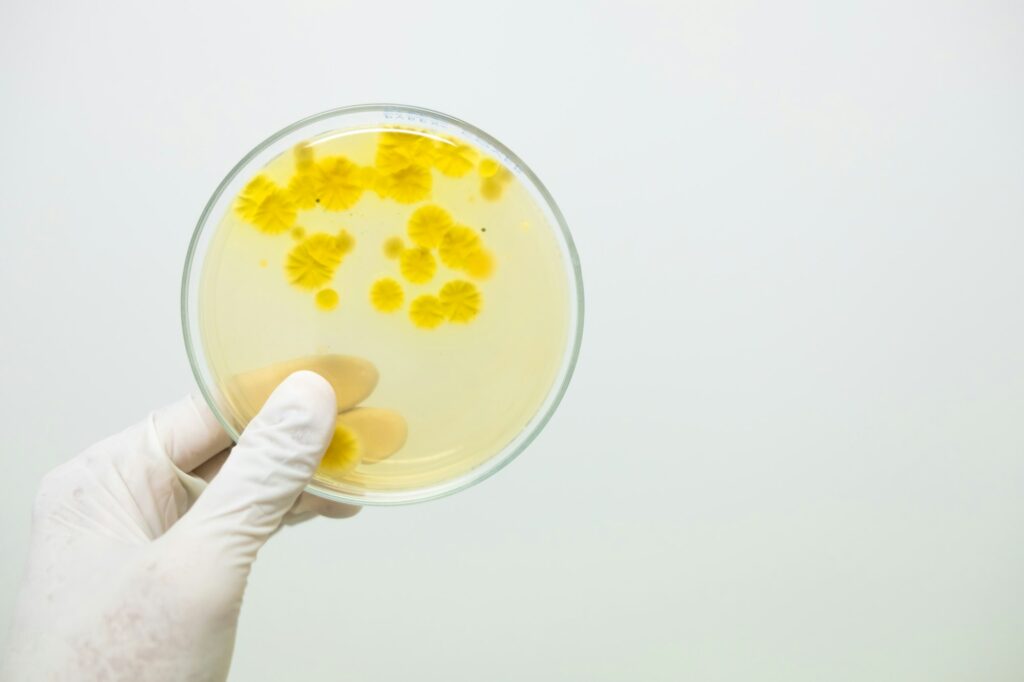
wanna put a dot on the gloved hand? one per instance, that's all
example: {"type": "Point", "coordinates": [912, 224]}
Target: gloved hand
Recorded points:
{"type": "Point", "coordinates": [135, 576]}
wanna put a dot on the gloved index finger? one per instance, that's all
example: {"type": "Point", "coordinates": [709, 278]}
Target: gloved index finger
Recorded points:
{"type": "Point", "coordinates": [189, 433]}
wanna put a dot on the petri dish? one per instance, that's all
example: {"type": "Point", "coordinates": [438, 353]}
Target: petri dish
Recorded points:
{"type": "Point", "coordinates": [416, 263]}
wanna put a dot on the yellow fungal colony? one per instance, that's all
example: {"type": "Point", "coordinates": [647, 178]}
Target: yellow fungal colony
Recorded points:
{"type": "Point", "coordinates": [493, 178]}
{"type": "Point", "coordinates": [252, 195]}
{"type": "Point", "coordinates": [302, 189]}
{"type": "Point", "coordinates": [403, 171]}
{"type": "Point", "coordinates": [386, 295]}
{"type": "Point", "coordinates": [312, 262]}
{"type": "Point", "coordinates": [327, 299]}
{"type": "Point", "coordinates": [428, 225]}
{"type": "Point", "coordinates": [275, 213]}
{"type": "Point", "coordinates": [454, 159]}
{"type": "Point", "coordinates": [457, 245]}
{"type": "Point", "coordinates": [426, 312]}
{"type": "Point", "coordinates": [337, 182]}
{"type": "Point", "coordinates": [479, 264]}
{"type": "Point", "coordinates": [489, 168]}
{"type": "Point", "coordinates": [408, 185]}
{"type": "Point", "coordinates": [418, 265]}
{"type": "Point", "coordinates": [343, 453]}
{"type": "Point", "coordinates": [345, 241]}
{"type": "Point", "coordinates": [393, 247]}
{"type": "Point", "coordinates": [460, 300]}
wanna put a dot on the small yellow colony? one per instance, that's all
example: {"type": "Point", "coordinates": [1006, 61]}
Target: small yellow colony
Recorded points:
{"type": "Point", "coordinates": [304, 156]}
{"type": "Point", "coordinates": [346, 242]}
{"type": "Point", "coordinates": [403, 171]}
{"type": "Point", "coordinates": [386, 295]}
{"type": "Point", "coordinates": [343, 453]}
{"type": "Point", "coordinates": [489, 168]}
{"type": "Point", "coordinates": [327, 299]}
{"type": "Point", "coordinates": [394, 247]}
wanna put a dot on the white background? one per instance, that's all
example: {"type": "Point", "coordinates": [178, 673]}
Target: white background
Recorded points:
{"type": "Point", "coordinates": [794, 446]}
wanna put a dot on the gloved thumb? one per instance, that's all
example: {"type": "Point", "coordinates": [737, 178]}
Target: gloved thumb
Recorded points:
{"type": "Point", "coordinates": [267, 470]}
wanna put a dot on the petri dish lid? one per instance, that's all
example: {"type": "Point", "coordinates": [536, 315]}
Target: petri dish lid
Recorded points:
{"type": "Point", "coordinates": [471, 392]}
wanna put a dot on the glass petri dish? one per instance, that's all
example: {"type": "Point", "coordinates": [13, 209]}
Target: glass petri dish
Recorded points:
{"type": "Point", "coordinates": [416, 263]}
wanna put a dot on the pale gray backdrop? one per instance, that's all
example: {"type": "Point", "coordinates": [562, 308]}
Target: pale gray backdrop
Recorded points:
{"type": "Point", "coordinates": [794, 448]}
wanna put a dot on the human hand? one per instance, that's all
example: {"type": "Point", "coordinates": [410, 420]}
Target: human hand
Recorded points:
{"type": "Point", "coordinates": [142, 545]}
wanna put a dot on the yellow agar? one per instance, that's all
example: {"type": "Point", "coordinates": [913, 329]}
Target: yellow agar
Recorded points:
{"type": "Point", "coordinates": [386, 295]}
{"type": "Point", "coordinates": [394, 247]}
{"type": "Point", "coordinates": [327, 299]}
{"type": "Point", "coordinates": [418, 265]}
{"type": "Point", "coordinates": [343, 453]}
{"type": "Point", "coordinates": [249, 199]}
{"type": "Point", "coordinates": [426, 312]}
{"type": "Point", "coordinates": [346, 242]}
{"type": "Point", "coordinates": [338, 183]}
{"type": "Point", "coordinates": [460, 300]}
{"type": "Point", "coordinates": [457, 245]}
{"type": "Point", "coordinates": [428, 224]}
{"type": "Point", "coordinates": [263, 263]}
{"type": "Point", "coordinates": [311, 263]}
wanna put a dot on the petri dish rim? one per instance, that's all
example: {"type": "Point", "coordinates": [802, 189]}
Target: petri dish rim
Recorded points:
{"type": "Point", "coordinates": [390, 114]}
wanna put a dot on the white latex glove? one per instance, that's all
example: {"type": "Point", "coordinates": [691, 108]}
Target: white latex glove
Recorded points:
{"type": "Point", "coordinates": [135, 576]}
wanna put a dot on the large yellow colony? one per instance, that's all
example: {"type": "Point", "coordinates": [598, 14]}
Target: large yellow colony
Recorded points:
{"type": "Point", "coordinates": [402, 171]}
